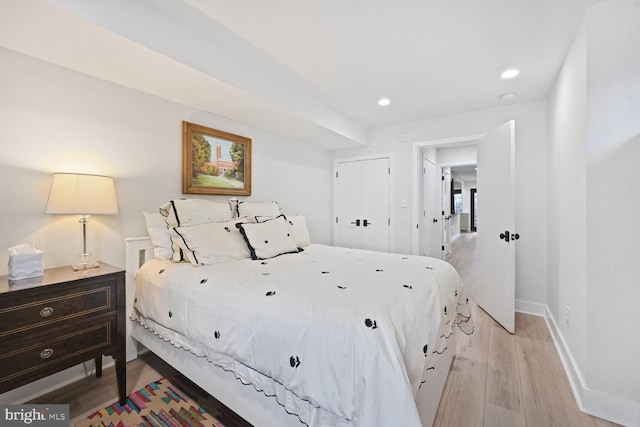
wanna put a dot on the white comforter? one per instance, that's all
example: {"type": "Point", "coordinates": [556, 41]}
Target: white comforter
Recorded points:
{"type": "Point", "coordinates": [340, 337]}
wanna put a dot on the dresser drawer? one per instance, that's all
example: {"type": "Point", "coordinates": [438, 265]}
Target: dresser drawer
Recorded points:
{"type": "Point", "coordinates": [49, 308]}
{"type": "Point", "coordinates": [66, 346]}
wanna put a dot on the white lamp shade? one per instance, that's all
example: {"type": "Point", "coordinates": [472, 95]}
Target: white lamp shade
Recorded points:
{"type": "Point", "coordinates": [79, 194]}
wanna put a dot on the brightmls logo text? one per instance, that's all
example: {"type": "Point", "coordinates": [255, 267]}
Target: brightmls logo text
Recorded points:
{"type": "Point", "coordinates": [26, 416]}
{"type": "Point", "coordinates": [35, 415]}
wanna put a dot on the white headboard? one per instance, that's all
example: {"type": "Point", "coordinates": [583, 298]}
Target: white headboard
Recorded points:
{"type": "Point", "coordinates": [138, 251]}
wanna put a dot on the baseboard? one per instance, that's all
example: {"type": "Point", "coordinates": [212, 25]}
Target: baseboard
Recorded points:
{"type": "Point", "coordinates": [533, 308]}
{"type": "Point", "coordinates": [619, 410]}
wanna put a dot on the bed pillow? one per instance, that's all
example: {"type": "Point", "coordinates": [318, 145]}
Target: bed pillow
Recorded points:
{"type": "Point", "coordinates": [268, 239]}
{"type": "Point", "coordinates": [159, 235]}
{"type": "Point", "coordinates": [252, 209]}
{"type": "Point", "coordinates": [298, 227]}
{"type": "Point", "coordinates": [212, 242]}
{"type": "Point", "coordinates": [187, 212]}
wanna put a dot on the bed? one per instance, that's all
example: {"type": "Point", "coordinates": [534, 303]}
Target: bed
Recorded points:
{"type": "Point", "coordinates": [311, 334]}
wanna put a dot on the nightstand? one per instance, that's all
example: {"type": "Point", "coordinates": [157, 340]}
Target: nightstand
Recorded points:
{"type": "Point", "coordinates": [59, 320]}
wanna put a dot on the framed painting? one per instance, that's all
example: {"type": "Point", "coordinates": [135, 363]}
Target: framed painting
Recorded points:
{"type": "Point", "coordinates": [215, 162]}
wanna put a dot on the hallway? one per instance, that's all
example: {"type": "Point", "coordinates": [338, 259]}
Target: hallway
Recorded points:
{"type": "Point", "coordinates": [499, 379]}
{"type": "Point", "coordinates": [463, 258]}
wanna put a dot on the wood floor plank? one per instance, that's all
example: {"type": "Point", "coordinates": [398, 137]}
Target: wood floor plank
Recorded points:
{"type": "Point", "coordinates": [497, 416]}
{"type": "Point", "coordinates": [503, 377]}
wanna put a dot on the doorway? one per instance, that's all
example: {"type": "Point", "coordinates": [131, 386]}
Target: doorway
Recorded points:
{"type": "Point", "coordinates": [495, 292]}
{"type": "Point", "coordinates": [427, 150]}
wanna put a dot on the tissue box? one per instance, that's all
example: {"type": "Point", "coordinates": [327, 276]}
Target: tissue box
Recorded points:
{"type": "Point", "coordinates": [25, 265]}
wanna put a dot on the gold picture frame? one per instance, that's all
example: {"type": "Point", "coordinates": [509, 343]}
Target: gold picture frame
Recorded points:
{"type": "Point", "coordinates": [215, 162]}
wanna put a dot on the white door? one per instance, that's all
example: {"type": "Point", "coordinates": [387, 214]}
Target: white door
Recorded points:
{"type": "Point", "coordinates": [495, 251]}
{"type": "Point", "coordinates": [375, 204]}
{"type": "Point", "coordinates": [446, 211]}
{"type": "Point", "coordinates": [362, 204]}
{"type": "Point", "coordinates": [348, 205]}
{"type": "Point", "coordinates": [430, 220]}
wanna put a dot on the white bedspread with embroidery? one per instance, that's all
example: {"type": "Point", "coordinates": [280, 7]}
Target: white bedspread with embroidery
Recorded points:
{"type": "Point", "coordinates": [340, 337]}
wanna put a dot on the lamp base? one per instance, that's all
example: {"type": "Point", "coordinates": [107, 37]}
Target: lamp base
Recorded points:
{"type": "Point", "coordinates": [85, 263]}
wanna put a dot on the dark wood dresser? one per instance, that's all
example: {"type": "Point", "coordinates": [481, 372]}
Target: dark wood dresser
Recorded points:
{"type": "Point", "coordinates": [59, 320]}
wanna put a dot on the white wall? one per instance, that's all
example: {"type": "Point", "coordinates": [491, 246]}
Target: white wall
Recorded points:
{"type": "Point", "coordinates": [594, 148]}
{"type": "Point", "coordinates": [466, 197]}
{"type": "Point", "coordinates": [568, 199]}
{"type": "Point", "coordinates": [56, 120]}
{"type": "Point", "coordinates": [613, 178]}
{"type": "Point", "coordinates": [458, 156]}
{"type": "Point", "coordinates": [531, 145]}
{"type": "Point", "coordinates": [53, 119]}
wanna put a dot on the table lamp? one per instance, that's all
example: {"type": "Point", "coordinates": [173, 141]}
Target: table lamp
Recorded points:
{"type": "Point", "coordinates": [82, 195]}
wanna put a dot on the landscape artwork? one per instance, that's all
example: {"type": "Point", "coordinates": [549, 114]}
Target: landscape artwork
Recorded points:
{"type": "Point", "coordinates": [215, 162]}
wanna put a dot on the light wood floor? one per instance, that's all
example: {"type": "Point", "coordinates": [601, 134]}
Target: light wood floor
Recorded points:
{"type": "Point", "coordinates": [497, 379]}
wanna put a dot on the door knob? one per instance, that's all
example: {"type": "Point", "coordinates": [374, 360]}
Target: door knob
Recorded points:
{"type": "Point", "coordinates": [356, 222]}
{"type": "Point", "coordinates": [435, 220]}
{"type": "Point", "coordinates": [515, 236]}
{"type": "Point", "coordinates": [365, 223]}
{"type": "Point", "coordinates": [505, 236]}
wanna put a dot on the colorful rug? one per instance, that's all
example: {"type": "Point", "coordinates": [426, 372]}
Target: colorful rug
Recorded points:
{"type": "Point", "coordinates": [160, 404]}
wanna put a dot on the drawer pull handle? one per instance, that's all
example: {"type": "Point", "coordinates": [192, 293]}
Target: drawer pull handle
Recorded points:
{"type": "Point", "coordinates": [46, 312]}
{"type": "Point", "coordinates": [46, 353]}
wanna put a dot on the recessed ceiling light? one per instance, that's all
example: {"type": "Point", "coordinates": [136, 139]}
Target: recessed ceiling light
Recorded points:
{"type": "Point", "coordinates": [510, 73]}
{"type": "Point", "coordinates": [507, 96]}
{"type": "Point", "coordinates": [383, 102]}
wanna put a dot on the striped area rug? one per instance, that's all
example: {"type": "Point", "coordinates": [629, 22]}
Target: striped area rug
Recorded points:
{"type": "Point", "coordinates": [160, 404]}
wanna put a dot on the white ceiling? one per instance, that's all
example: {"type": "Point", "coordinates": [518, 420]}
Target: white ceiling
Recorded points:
{"type": "Point", "coordinates": [464, 173]}
{"type": "Point", "coordinates": [430, 57]}
{"type": "Point", "coordinates": [310, 69]}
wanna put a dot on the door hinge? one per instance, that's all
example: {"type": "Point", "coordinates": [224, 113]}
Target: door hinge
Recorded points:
{"type": "Point", "coordinates": [443, 177]}
{"type": "Point", "coordinates": [443, 248]}
{"type": "Point", "coordinates": [417, 225]}
{"type": "Point", "coordinates": [442, 213]}
{"type": "Point", "coordinates": [336, 174]}
{"type": "Point", "coordinates": [336, 220]}
{"type": "Point", "coordinates": [389, 221]}
{"type": "Point", "coordinates": [389, 171]}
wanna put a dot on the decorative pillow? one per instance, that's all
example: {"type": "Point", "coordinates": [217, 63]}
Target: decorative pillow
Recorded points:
{"type": "Point", "coordinates": [159, 234]}
{"type": "Point", "coordinates": [187, 212]}
{"type": "Point", "coordinates": [298, 227]}
{"type": "Point", "coordinates": [253, 209]}
{"type": "Point", "coordinates": [211, 243]}
{"type": "Point", "coordinates": [268, 239]}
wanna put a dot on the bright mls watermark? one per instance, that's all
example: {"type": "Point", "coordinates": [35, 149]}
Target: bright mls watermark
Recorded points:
{"type": "Point", "coordinates": [34, 415]}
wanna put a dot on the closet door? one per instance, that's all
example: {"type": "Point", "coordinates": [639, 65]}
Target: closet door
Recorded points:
{"type": "Point", "coordinates": [362, 189]}
{"type": "Point", "coordinates": [348, 205]}
{"type": "Point", "coordinates": [375, 205]}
